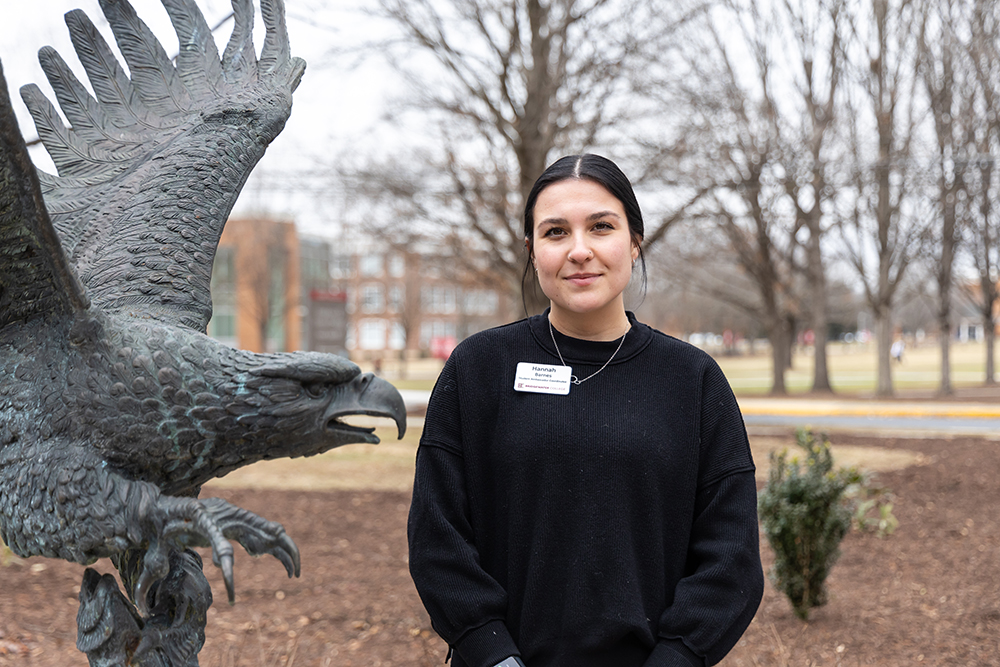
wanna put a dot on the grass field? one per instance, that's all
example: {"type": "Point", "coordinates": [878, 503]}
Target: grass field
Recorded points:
{"type": "Point", "coordinates": [389, 466]}
{"type": "Point", "coordinates": [852, 370]}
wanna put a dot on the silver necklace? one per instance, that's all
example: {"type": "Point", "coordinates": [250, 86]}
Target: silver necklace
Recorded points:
{"type": "Point", "coordinates": [572, 378]}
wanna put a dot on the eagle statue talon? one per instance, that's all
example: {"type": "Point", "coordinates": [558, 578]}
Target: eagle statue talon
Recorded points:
{"type": "Point", "coordinates": [254, 533]}
{"type": "Point", "coordinates": [115, 406]}
{"type": "Point", "coordinates": [209, 522]}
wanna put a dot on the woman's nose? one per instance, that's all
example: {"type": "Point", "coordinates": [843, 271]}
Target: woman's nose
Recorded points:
{"type": "Point", "coordinates": [580, 252]}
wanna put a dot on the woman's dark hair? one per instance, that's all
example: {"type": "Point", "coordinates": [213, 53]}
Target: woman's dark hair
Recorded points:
{"type": "Point", "coordinates": [594, 168]}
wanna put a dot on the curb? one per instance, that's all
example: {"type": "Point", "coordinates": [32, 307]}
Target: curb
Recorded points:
{"type": "Point", "coordinates": [882, 410]}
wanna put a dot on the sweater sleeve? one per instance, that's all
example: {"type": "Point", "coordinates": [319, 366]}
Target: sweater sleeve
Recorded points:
{"type": "Point", "coordinates": [466, 605]}
{"type": "Point", "coordinates": [717, 598]}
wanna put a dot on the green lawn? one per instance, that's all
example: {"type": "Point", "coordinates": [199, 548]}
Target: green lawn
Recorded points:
{"type": "Point", "coordinates": [390, 465]}
{"type": "Point", "coordinates": [853, 369]}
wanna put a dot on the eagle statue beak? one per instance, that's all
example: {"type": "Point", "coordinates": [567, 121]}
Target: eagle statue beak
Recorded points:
{"type": "Point", "coordinates": [368, 395]}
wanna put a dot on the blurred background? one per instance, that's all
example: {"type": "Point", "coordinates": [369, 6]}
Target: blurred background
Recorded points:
{"type": "Point", "coordinates": [817, 177]}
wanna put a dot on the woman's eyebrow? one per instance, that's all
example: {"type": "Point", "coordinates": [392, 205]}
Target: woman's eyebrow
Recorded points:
{"type": "Point", "coordinates": [590, 218]}
{"type": "Point", "coordinates": [552, 221]}
{"type": "Point", "coordinates": [602, 214]}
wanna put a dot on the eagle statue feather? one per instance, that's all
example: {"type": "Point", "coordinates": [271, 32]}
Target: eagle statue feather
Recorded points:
{"type": "Point", "coordinates": [115, 407]}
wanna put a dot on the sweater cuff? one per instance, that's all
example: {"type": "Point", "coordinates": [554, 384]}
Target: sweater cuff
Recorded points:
{"type": "Point", "coordinates": [487, 645]}
{"type": "Point", "coordinates": [673, 653]}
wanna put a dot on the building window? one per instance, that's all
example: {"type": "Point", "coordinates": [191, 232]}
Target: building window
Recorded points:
{"type": "Point", "coordinates": [222, 326]}
{"type": "Point", "coordinates": [351, 304]}
{"type": "Point", "coordinates": [437, 299]}
{"type": "Point", "coordinates": [436, 329]}
{"type": "Point", "coordinates": [275, 312]}
{"type": "Point", "coordinates": [396, 295]}
{"type": "Point", "coordinates": [397, 337]}
{"type": "Point", "coordinates": [372, 299]}
{"type": "Point", "coordinates": [372, 335]}
{"type": "Point", "coordinates": [480, 302]}
{"type": "Point", "coordinates": [224, 269]}
{"type": "Point", "coordinates": [371, 266]}
{"type": "Point", "coordinates": [397, 266]}
{"type": "Point", "coordinates": [340, 266]}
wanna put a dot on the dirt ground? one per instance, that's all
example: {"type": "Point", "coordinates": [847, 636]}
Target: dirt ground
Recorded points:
{"type": "Point", "coordinates": [927, 595]}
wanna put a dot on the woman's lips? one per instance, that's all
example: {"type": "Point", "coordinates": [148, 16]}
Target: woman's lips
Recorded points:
{"type": "Point", "coordinates": [582, 279]}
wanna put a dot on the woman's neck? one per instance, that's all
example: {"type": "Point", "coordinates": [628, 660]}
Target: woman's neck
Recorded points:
{"type": "Point", "coordinates": [604, 325]}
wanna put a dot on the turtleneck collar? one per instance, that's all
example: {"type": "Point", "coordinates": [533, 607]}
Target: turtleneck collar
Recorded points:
{"type": "Point", "coordinates": [578, 350]}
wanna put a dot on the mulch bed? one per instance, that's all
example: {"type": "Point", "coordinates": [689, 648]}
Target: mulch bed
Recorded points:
{"type": "Point", "coordinates": [927, 595]}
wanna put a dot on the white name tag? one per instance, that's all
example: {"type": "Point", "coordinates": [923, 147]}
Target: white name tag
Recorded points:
{"type": "Point", "coordinates": [542, 378]}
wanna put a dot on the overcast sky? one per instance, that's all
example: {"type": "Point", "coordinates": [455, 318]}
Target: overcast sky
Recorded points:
{"type": "Point", "coordinates": [333, 108]}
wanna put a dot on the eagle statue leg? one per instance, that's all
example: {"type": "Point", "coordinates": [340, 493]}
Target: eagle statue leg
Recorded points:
{"type": "Point", "coordinates": [166, 583]}
{"type": "Point", "coordinates": [89, 511]}
{"type": "Point", "coordinates": [108, 628]}
{"type": "Point", "coordinates": [112, 634]}
{"type": "Point", "coordinates": [168, 522]}
{"type": "Point", "coordinates": [162, 621]}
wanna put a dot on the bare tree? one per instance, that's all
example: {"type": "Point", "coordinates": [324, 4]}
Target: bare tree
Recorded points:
{"type": "Point", "coordinates": [817, 70]}
{"type": "Point", "coordinates": [983, 142]}
{"type": "Point", "coordinates": [743, 137]}
{"type": "Point", "coordinates": [685, 288]}
{"type": "Point", "coordinates": [406, 308]}
{"type": "Point", "coordinates": [499, 89]}
{"type": "Point", "coordinates": [875, 224]}
{"type": "Point", "coordinates": [706, 275]}
{"type": "Point", "coordinates": [946, 71]}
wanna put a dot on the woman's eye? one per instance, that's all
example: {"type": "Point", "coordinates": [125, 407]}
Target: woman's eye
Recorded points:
{"type": "Point", "coordinates": [315, 389]}
{"type": "Point", "coordinates": [604, 225]}
{"type": "Point", "coordinates": [554, 231]}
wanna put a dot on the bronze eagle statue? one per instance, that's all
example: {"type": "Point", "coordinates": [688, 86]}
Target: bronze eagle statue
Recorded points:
{"type": "Point", "coordinates": [115, 406]}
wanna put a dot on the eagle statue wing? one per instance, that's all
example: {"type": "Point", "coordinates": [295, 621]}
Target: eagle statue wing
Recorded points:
{"type": "Point", "coordinates": [153, 161]}
{"type": "Point", "coordinates": [36, 279]}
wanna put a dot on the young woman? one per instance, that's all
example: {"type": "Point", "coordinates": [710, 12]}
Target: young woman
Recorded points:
{"type": "Point", "coordinates": [584, 493]}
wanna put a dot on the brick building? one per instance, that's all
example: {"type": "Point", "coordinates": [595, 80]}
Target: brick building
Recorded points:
{"type": "Point", "coordinates": [407, 303]}
{"type": "Point", "coordinates": [275, 291]}
{"type": "Point", "coordinates": [271, 290]}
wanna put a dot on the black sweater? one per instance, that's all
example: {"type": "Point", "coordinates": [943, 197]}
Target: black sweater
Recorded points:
{"type": "Point", "coordinates": [612, 527]}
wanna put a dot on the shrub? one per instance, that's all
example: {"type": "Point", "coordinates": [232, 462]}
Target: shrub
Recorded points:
{"type": "Point", "coordinates": [872, 506]}
{"type": "Point", "coordinates": [805, 516]}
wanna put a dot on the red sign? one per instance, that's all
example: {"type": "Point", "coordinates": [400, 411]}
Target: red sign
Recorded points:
{"type": "Point", "coordinates": [442, 346]}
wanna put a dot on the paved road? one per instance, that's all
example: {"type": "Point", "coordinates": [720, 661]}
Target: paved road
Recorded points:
{"type": "Point", "coordinates": [898, 417]}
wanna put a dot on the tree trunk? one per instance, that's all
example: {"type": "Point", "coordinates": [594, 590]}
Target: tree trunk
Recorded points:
{"type": "Point", "coordinates": [989, 330]}
{"type": "Point", "coordinates": [949, 245]}
{"type": "Point", "coordinates": [790, 327]}
{"type": "Point", "coordinates": [945, 273]}
{"type": "Point", "coordinates": [883, 341]}
{"type": "Point", "coordinates": [817, 283]}
{"type": "Point", "coordinates": [401, 374]}
{"type": "Point", "coordinates": [780, 346]}
{"type": "Point", "coordinates": [944, 331]}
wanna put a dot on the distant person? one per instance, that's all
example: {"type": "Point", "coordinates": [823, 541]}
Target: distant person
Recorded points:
{"type": "Point", "coordinates": [584, 492]}
{"type": "Point", "coordinates": [896, 350]}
